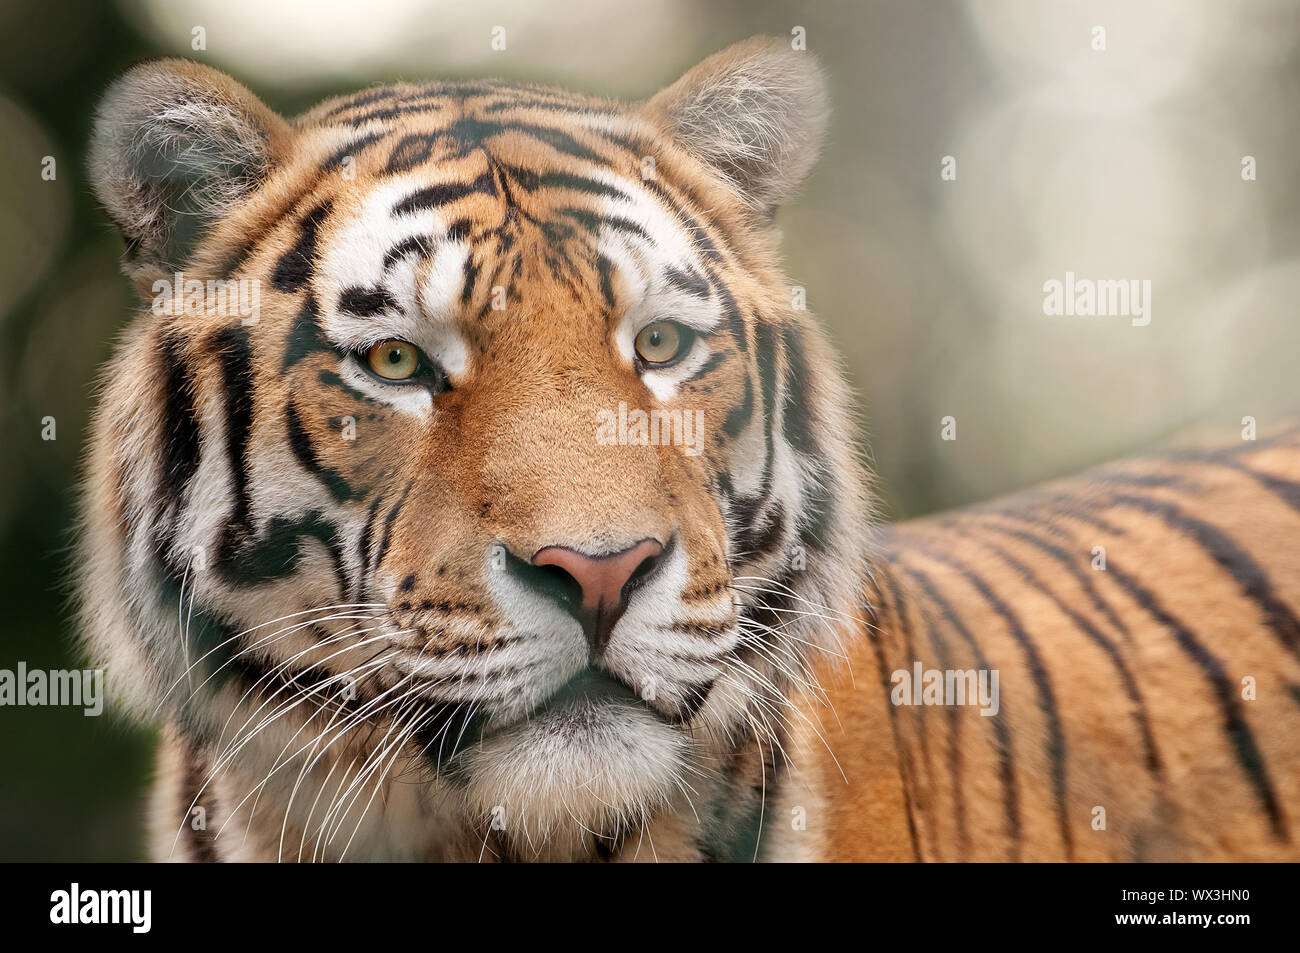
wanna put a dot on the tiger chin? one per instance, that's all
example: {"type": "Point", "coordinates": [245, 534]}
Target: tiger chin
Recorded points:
{"type": "Point", "coordinates": [359, 537]}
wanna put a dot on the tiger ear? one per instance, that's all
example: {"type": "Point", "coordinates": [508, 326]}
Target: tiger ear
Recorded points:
{"type": "Point", "coordinates": [175, 146]}
{"type": "Point", "coordinates": [756, 112]}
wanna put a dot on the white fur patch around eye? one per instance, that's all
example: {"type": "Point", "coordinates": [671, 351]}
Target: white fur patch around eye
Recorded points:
{"type": "Point", "coordinates": [643, 266]}
{"type": "Point", "coordinates": [410, 399]}
{"type": "Point", "coordinates": [423, 289]}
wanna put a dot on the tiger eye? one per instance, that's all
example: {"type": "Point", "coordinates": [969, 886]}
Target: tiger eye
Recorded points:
{"type": "Point", "coordinates": [393, 360]}
{"type": "Point", "coordinates": [660, 342]}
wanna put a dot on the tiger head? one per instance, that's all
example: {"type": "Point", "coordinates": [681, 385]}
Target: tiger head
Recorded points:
{"type": "Point", "coordinates": [477, 420]}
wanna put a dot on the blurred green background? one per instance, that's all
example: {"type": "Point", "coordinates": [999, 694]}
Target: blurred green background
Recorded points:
{"type": "Point", "coordinates": [1116, 163]}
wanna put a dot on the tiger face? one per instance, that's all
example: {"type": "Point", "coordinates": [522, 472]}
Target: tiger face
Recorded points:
{"type": "Point", "coordinates": [525, 472]}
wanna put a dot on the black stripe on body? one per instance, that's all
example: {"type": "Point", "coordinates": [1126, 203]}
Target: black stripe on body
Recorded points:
{"type": "Point", "coordinates": [1042, 685]}
{"type": "Point", "coordinates": [1244, 746]}
{"type": "Point", "coordinates": [1010, 790]}
{"type": "Point", "coordinates": [1094, 635]}
{"type": "Point", "coordinates": [905, 761]}
{"type": "Point", "coordinates": [1232, 558]}
{"type": "Point", "coordinates": [954, 722]}
{"type": "Point", "coordinates": [1062, 556]}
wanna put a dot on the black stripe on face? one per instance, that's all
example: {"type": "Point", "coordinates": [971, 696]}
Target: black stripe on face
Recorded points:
{"type": "Point", "coordinates": [230, 345]}
{"type": "Point", "coordinates": [1249, 757]}
{"type": "Point", "coordinates": [689, 281]}
{"type": "Point", "coordinates": [357, 100]}
{"type": "Point", "coordinates": [180, 450]}
{"type": "Point", "coordinates": [592, 222]}
{"type": "Point", "coordinates": [1288, 491]}
{"type": "Point", "coordinates": [735, 321]}
{"type": "Point", "coordinates": [436, 196]}
{"type": "Point", "coordinates": [766, 356]}
{"type": "Point", "coordinates": [331, 379]}
{"type": "Point", "coordinates": [366, 302]}
{"type": "Point", "coordinates": [568, 180]}
{"type": "Point", "coordinates": [305, 454]}
{"type": "Point", "coordinates": [471, 133]}
{"type": "Point", "coordinates": [415, 104]}
{"type": "Point", "coordinates": [305, 337]}
{"type": "Point", "coordinates": [420, 246]}
{"type": "Point", "coordinates": [1235, 561]}
{"type": "Point", "coordinates": [759, 540]}
{"type": "Point", "coordinates": [797, 426]}
{"type": "Point", "coordinates": [1042, 686]}
{"type": "Point", "coordinates": [605, 268]}
{"type": "Point", "coordinates": [364, 547]}
{"type": "Point", "coordinates": [276, 552]}
{"type": "Point", "coordinates": [350, 149]}
{"type": "Point", "coordinates": [738, 417]}
{"type": "Point", "coordinates": [294, 269]}
{"type": "Point", "coordinates": [712, 364]}
{"type": "Point", "coordinates": [796, 414]}
{"type": "Point", "coordinates": [695, 232]}
{"type": "Point", "coordinates": [815, 521]}
{"type": "Point", "coordinates": [1006, 760]}
{"type": "Point", "coordinates": [410, 151]}
{"type": "Point", "coordinates": [389, 520]}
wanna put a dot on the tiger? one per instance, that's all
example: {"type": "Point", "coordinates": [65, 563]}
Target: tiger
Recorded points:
{"type": "Point", "coordinates": [471, 487]}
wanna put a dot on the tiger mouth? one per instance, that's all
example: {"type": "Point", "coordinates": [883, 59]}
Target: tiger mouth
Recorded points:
{"type": "Point", "coordinates": [589, 688]}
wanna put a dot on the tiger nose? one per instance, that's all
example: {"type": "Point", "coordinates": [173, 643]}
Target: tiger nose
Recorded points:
{"type": "Point", "coordinates": [603, 582]}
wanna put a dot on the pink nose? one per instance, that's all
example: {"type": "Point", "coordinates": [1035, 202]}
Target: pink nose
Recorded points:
{"type": "Point", "coordinates": [601, 578]}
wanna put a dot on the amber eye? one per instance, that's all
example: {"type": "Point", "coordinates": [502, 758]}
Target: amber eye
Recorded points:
{"type": "Point", "coordinates": [662, 342]}
{"type": "Point", "coordinates": [394, 360]}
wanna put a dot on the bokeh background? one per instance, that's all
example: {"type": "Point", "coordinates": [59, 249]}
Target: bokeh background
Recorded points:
{"type": "Point", "coordinates": [1122, 163]}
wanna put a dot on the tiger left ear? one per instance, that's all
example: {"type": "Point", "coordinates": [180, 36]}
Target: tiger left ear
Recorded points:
{"type": "Point", "coordinates": [756, 112]}
{"type": "Point", "coordinates": [176, 145]}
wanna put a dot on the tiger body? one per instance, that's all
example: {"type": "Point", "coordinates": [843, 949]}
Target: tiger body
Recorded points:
{"type": "Point", "coordinates": [1142, 618]}
{"type": "Point", "coordinates": [459, 614]}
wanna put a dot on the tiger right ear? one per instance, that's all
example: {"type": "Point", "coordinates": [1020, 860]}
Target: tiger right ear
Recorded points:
{"type": "Point", "coordinates": [756, 112]}
{"type": "Point", "coordinates": [175, 146]}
